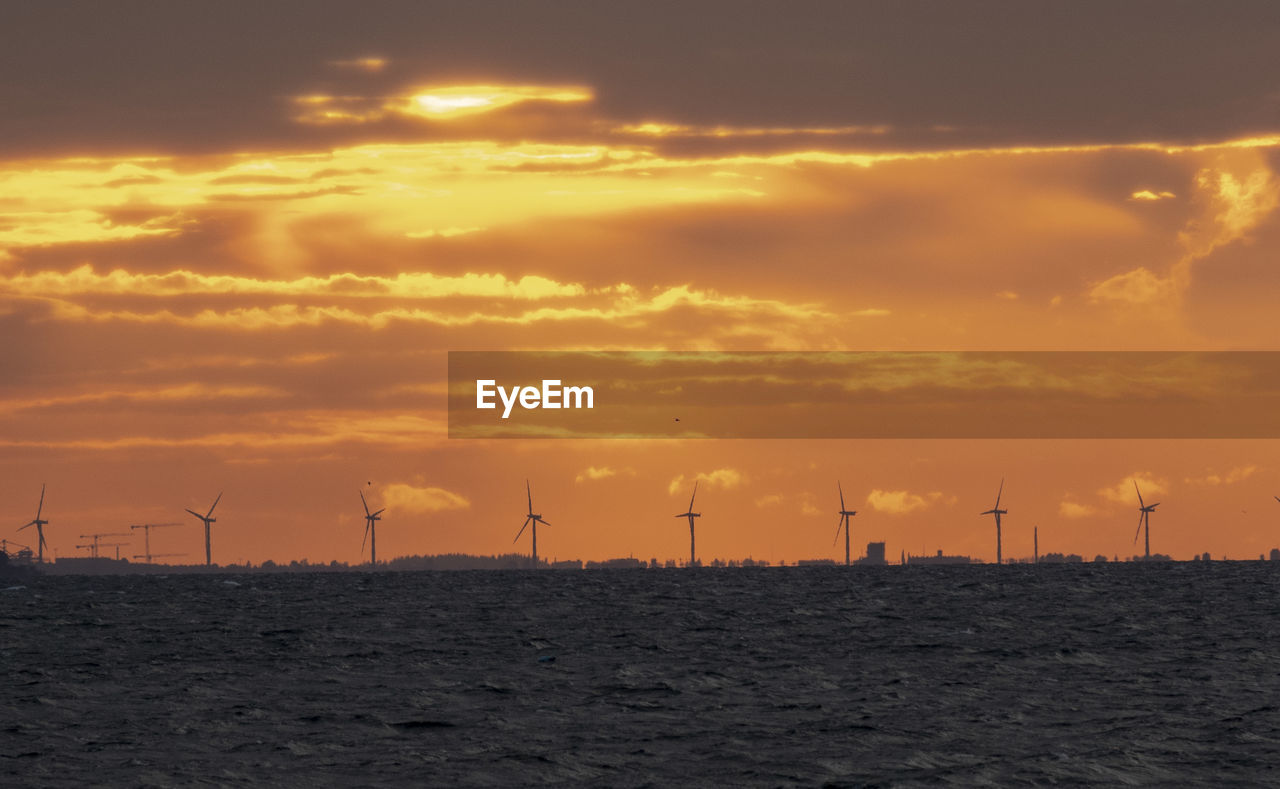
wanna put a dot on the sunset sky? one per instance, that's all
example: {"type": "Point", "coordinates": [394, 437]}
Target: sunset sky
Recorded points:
{"type": "Point", "coordinates": [237, 243]}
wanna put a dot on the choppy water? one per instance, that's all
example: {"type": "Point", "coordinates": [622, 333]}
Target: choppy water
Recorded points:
{"type": "Point", "coordinates": [1163, 674]}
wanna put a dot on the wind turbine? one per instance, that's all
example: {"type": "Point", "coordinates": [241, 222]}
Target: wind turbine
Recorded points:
{"type": "Point", "coordinates": [996, 511]}
{"type": "Point", "coordinates": [533, 518]}
{"type": "Point", "coordinates": [207, 519]}
{"type": "Point", "coordinates": [39, 524]}
{"type": "Point", "coordinates": [693, 556]}
{"type": "Point", "coordinates": [370, 531]}
{"type": "Point", "coordinates": [1144, 519]}
{"type": "Point", "coordinates": [845, 515]}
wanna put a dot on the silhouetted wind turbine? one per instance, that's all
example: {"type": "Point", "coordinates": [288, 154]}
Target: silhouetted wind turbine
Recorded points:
{"type": "Point", "coordinates": [370, 531]}
{"type": "Point", "coordinates": [693, 556]}
{"type": "Point", "coordinates": [996, 511]}
{"type": "Point", "coordinates": [39, 524]}
{"type": "Point", "coordinates": [845, 515]}
{"type": "Point", "coordinates": [533, 518]}
{"type": "Point", "coordinates": [207, 519]}
{"type": "Point", "coordinates": [1144, 519]}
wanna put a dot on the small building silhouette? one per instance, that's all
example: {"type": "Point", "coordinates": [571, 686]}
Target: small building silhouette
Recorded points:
{"type": "Point", "coordinates": [875, 554]}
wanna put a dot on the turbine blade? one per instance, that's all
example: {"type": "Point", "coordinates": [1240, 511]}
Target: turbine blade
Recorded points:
{"type": "Point", "coordinates": [33, 523]}
{"type": "Point", "coordinates": [379, 512]}
{"type": "Point", "coordinates": [365, 503]}
{"type": "Point", "coordinates": [43, 544]}
{"type": "Point", "coordinates": [841, 489]}
{"type": "Point", "coordinates": [694, 496]}
{"type": "Point", "coordinates": [522, 528]}
{"type": "Point", "coordinates": [838, 526]}
{"type": "Point", "coordinates": [215, 503]}
{"type": "Point", "coordinates": [540, 520]}
{"type": "Point", "coordinates": [366, 538]}
{"type": "Point", "coordinates": [999, 493]}
{"type": "Point", "coordinates": [1141, 503]}
{"type": "Point", "coordinates": [529, 492]}
{"type": "Point", "coordinates": [40, 508]}
{"type": "Point", "coordinates": [1139, 531]}
{"type": "Point", "coordinates": [198, 515]}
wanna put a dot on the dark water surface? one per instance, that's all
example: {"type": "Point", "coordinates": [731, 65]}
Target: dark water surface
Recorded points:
{"type": "Point", "coordinates": [1119, 674]}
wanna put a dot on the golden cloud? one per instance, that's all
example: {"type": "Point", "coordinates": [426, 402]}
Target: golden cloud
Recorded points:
{"type": "Point", "coordinates": [1123, 491]}
{"type": "Point", "coordinates": [177, 393]}
{"type": "Point", "coordinates": [370, 64]}
{"type": "Point", "coordinates": [441, 103]}
{"type": "Point", "coordinates": [1068, 508]}
{"type": "Point", "coordinates": [592, 473]}
{"type": "Point", "coordinates": [724, 478]}
{"type": "Point", "coordinates": [401, 497]}
{"type": "Point", "coordinates": [611, 309]}
{"type": "Point", "coordinates": [1148, 196]}
{"type": "Point", "coordinates": [1229, 477]}
{"type": "Point", "coordinates": [1138, 287]}
{"type": "Point", "coordinates": [897, 502]}
{"type": "Point", "coordinates": [415, 285]}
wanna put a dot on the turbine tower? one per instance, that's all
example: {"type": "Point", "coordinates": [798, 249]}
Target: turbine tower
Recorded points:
{"type": "Point", "coordinates": [1144, 519]}
{"type": "Point", "coordinates": [533, 518]}
{"type": "Point", "coordinates": [207, 519]}
{"type": "Point", "coordinates": [370, 531]}
{"type": "Point", "coordinates": [845, 515]}
{"type": "Point", "coordinates": [39, 524]}
{"type": "Point", "coordinates": [997, 512]}
{"type": "Point", "coordinates": [693, 556]}
{"type": "Point", "coordinates": [146, 533]}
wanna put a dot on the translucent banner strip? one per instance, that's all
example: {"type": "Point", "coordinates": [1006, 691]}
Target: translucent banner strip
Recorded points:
{"type": "Point", "coordinates": [1068, 394]}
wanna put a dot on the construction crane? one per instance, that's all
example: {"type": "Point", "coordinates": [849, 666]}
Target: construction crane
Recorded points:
{"type": "Point", "coordinates": [5, 544]}
{"type": "Point", "coordinates": [146, 534]}
{"type": "Point", "coordinates": [93, 547]}
{"type": "Point", "coordinates": [151, 556]}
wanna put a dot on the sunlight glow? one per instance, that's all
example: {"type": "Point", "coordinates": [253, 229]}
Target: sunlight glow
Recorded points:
{"type": "Point", "coordinates": [464, 100]}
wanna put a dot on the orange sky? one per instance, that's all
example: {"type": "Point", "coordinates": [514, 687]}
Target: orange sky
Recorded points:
{"type": "Point", "coordinates": [248, 281]}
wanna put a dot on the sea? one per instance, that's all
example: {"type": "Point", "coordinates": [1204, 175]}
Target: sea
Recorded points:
{"type": "Point", "coordinates": [1164, 674]}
